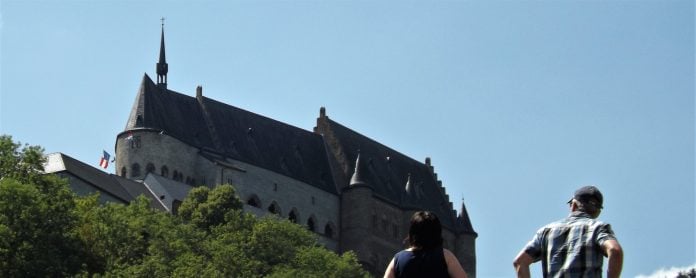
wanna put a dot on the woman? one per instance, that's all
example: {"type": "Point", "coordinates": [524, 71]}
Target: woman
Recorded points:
{"type": "Point", "coordinates": [425, 256]}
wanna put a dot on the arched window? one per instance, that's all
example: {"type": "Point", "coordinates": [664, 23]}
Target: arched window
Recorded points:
{"type": "Point", "coordinates": [310, 223]}
{"type": "Point", "coordinates": [254, 201]}
{"type": "Point", "coordinates": [164, 171]}
{"type": "Point", "coordinates": [293, 216]}
{"type": "Point", "coordinates": [150, 168]}
{"type": "Point", "coordinates": [123, 171]}
{"type": "Point", "coordinates": [135, 170]}
{"type": "Point", "coordinates": [274, 208]}
{"type": "Point", "coordinates": [175, 175]}
{"type": "Point", "coordinates": [328, 231]}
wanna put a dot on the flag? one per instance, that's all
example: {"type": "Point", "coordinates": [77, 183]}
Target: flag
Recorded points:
{"type": "Point", "coordinates": [104, 162]}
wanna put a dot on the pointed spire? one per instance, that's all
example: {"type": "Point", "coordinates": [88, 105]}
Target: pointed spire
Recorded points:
{"type": "Point", "coordinates": [162, 66]}
{"type": "Point", "coordinates": [356, 179]}
{"type": "Point", "coordinates": [463, 219]}
{"type": "Point", "coordinates": [409, 186]}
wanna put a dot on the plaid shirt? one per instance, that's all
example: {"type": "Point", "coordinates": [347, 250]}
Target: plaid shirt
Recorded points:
{"type": "Point", "coordinates": [571, 247]}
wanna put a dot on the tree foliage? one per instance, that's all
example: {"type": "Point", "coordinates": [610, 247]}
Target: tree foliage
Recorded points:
{"type": "Point", "coordinates": [687, 274]}
{"type": "Point", "coordinates": [207, 208]}
{"type": "Point", "coordinates": [45, 230]}
{"type": "Point", "coordinates": [37, 217]}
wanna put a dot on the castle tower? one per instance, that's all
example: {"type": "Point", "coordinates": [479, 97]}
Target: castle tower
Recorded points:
{"type": "Point", "coordinates": [466, 243]}
{"type": "Point", "coordinates": [355, 212]}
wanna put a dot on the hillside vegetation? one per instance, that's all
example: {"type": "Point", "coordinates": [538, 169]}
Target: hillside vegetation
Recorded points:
{"type": "Point", "coordinates": [45, 230]}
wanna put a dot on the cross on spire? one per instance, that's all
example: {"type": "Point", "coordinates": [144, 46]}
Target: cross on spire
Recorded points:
{"type": "Point", "coordinates": [162, 19]}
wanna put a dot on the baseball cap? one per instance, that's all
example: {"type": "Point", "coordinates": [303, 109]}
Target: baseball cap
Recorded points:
{"type": "Point", "coordinates": [589, 194]}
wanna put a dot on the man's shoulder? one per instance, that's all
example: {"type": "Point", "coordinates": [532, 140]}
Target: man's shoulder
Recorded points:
{"type": "Point", "coordinates": [572, 221]}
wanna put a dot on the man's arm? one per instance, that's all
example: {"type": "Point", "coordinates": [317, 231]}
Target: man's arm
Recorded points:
{"type": "Point", "coordinates": [521, 264]}
{"type": "Point", "coordinates": [615, 255]}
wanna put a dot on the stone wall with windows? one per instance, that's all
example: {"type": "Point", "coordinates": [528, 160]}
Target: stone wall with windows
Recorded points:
{"type": "Point", "coordinates": [270, 192]}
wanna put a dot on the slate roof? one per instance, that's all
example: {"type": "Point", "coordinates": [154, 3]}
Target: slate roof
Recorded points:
{"type": "Point", "coordinates": [387, 172]}
{"type": "Point", "coordinates": [234, 132]}
{"type": "Point", "coordinates": [121, 188]}
{"type": "Point", "coordinates": [168, 190]}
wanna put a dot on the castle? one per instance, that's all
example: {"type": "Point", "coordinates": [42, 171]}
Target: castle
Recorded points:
{"type": "Point", "coordinates": [353, 192]}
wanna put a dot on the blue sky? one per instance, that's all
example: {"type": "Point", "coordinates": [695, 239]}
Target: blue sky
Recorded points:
{"type": "Point", "coordinates": [518, 103]}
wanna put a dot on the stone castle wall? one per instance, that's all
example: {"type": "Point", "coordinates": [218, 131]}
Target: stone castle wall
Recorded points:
{"type": "Point", "coordinates": [149, 146]}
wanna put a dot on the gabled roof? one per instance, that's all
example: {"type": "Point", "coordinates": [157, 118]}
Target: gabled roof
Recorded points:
{"type": "Point", "coordinates": [121, 188]}
{"type": "Point", "coordinates": [236, 133]}
{"type": "Point", "coordinates": [387, 172]}
{"type": "Point", "coordinates": [168, 190]}
{"type": "Point", "coordinates": [93, 176]}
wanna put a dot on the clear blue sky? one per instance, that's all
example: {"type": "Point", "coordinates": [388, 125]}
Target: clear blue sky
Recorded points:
{"type": "Point", "coordinates": [517, 103]}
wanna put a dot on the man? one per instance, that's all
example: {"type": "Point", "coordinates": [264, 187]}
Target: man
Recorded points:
{"type": "Point", "coordinates": [574, 246]}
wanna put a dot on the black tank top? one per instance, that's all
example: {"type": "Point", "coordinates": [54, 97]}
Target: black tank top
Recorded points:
{"type": "Point", "coordinates": [421, 263]}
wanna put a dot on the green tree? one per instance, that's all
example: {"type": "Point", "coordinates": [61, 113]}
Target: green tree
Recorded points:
{"type": "Point", "coordinates": [320, 262]}
{"type": "Point", "coordinates": [687, 274]}
{"type": "Point", "coordinates": [45, 230]}
{"type": "Point", "coordinates": [24, 165]}
{"type": "Point", "coordinates": [36, 217]}
{"type": "Point", "coordinates": [207, 208]}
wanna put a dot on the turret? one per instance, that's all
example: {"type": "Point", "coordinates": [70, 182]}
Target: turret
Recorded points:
{"type": "Point", "coordinates": [356, 179]}
{"type": "Point", "coordinates": [356, 209]}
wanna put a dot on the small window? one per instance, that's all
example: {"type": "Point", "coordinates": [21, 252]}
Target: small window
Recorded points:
{"type": "Point", "coordinates": [292, 216]}
{"type": "Point", "coordinates": [273, 208]}
{"type": "Point", "coordinates": [123, 171]}
{"type": "Point", "coordinates": [328, 231]}
{"type": "Point", "coordinates": [135, 169]}
{"type": "Point", "coordinates": [310, 224]}
{"type": "Point", "coordinates": [164, 171]}
{"type": "Point", "coordinates": [254, 201]}
{"type": "Point", "coordinates": [135, 142]}
{"type": "Point", "coordinates": [150, 168]}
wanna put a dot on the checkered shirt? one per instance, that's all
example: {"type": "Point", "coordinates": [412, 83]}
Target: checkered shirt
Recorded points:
{"type": "Point", "coordinates": [571, 247]}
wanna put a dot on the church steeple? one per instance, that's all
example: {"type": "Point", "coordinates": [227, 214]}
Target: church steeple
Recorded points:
{"type": "Point", "coordinates": [162, 67]}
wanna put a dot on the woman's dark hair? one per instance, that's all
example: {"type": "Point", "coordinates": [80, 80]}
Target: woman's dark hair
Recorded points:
{"type": "Point", "coordinates": [425, 231]}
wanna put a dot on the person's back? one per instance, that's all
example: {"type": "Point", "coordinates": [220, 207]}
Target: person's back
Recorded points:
{"type": "Point", "coordinates": [425, 256]}
{"type": "Point", "coordinates": [571, 247]}
{"type": "Point", "coordinates": [420, 263]}
{"type": "Point", "coordinates": [576, 245]}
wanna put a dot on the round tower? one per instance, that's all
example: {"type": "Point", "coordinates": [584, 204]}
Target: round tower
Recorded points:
{"type": "Point", "coordinates": [355, 216]}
